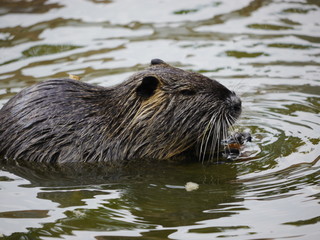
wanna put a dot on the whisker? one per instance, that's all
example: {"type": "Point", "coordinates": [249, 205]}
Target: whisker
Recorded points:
{"type": "Point", "coordinates": [204, 142]}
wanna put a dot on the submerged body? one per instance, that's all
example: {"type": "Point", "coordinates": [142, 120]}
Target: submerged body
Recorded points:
{"type": "Point", "coordinates": [160, 113]}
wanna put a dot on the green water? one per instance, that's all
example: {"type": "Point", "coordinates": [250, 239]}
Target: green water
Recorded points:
{"type": "Point", "coordinates": [266, 50]}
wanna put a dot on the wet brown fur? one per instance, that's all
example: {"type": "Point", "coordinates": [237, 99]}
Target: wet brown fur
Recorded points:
{"type": "Point", "coordinates": [159, 113]}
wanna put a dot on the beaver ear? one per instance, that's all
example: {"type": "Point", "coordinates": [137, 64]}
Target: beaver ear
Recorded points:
{"type": "Point", "coordinates": [148, 86]}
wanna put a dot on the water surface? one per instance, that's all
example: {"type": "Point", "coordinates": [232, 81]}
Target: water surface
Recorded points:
{"type": "Point", "coordinates": [266, 50]}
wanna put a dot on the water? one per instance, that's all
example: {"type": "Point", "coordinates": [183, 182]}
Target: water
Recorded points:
{"type": "Point", "coordinates": [267, 51]}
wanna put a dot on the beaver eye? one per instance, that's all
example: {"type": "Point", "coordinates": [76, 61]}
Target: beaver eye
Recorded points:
{"type": "Point", "coordinates": [188, 92]}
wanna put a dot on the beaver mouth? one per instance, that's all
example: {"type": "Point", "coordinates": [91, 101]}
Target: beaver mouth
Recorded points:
{"type": "Point", "coordinates": [217, 128]}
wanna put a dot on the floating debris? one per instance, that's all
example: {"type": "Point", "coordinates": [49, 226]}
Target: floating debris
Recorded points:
{"type": "Point", "coordinates": [191, 186]}
{"type": "Point", "coordinates": [74, 77]}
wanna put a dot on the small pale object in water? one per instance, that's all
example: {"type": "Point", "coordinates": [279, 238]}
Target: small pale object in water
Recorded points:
{"type": "Point", "coordinates": [74, 77]}
{"type": "Point", "coordinates": [191, 186]}
{"type": "Point", "coordinates": [78, 214]}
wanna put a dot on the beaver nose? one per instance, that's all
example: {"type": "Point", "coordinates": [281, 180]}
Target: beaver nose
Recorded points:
{"type": "Point", "coordinates": [234, 104]}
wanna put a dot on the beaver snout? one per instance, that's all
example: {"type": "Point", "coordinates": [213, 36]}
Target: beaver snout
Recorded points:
{"type": "Point", "coordinates": [234, 104]}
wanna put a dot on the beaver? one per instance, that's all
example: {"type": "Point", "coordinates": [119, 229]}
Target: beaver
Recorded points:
{"type": "Point", "coordinates": [162, 112]}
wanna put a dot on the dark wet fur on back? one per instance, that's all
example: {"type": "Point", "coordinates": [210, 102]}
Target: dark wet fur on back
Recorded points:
{"type": "Point", "coordinates": [159, 113]}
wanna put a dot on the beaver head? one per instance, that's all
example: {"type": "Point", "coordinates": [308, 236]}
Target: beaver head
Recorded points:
{"type": "Point", "coordinates": [172, 111]}
{"type": "Point", "coordinates": [161, 112]}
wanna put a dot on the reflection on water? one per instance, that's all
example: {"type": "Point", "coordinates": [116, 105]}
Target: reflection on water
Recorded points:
{"type": "Point", "coordinates": [267, 51]}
